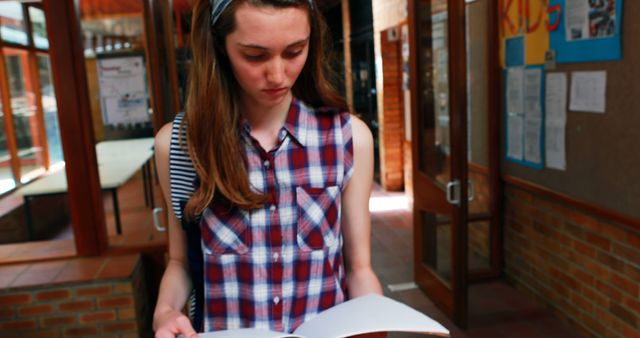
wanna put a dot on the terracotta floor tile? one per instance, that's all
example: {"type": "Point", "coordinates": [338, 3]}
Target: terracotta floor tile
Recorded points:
{"type": "Point", "coordinates": [118, 267]}
{"type": "Point", "coordinates": [79, 270]}
{"type": "Point", "coordinates": [39, 274]}
{"type": "Point", "coordinates": [9, 273]}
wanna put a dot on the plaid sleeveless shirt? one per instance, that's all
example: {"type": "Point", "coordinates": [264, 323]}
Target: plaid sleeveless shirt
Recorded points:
{"type": "Point", "coordinates": [277, 266]}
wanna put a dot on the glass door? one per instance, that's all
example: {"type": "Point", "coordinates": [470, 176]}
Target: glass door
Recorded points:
{"type": "Point", "coordinates": [439, 119]}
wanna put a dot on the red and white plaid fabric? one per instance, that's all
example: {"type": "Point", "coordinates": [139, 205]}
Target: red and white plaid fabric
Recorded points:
{"type": "Point", "coordinates": [280, 265]}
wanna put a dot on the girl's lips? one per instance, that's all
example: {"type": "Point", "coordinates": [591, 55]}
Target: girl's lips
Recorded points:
{"type": "Point", "coordinates": [275, 92]}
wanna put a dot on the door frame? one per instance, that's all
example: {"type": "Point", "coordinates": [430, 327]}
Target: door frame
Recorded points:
{"type": "Point", "coordinates": [452, 299]}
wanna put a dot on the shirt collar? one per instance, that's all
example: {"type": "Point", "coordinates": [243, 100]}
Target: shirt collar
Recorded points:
{"type": "Point", "coordinates": [295, 125]}
{"type": "Point", "coordinates": [296, 122]}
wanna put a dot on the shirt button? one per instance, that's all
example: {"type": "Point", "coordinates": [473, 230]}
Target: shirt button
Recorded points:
{"type": "Point", "coordinates": [272, 208]}
{"type": "Point", "coordinates": [276, 256]}
{"type": "Point", "coordinates": [276, 300]}
{"type": "Point", "coordinates": [266, 163]}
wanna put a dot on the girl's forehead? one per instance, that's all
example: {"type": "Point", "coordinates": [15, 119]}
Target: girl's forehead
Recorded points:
{"type": "Point", "coordinates": [270, 25]}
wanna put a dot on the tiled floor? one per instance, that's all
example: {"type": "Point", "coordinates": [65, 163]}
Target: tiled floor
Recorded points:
{"type": "Point", "coordinates": [496, 309]}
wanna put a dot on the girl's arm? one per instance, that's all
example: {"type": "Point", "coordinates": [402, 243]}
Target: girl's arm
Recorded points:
{"type": "Point", "coordinates": [356, 220]}
{"type": "Point", "coordinates": [168, 319]}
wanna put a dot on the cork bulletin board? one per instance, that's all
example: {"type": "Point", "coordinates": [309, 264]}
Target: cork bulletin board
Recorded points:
{"type": "Point", "coordinates": [602, 150]}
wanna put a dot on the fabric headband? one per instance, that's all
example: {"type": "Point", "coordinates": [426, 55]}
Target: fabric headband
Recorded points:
{"type": "Point", "coordinates": [218, 6]}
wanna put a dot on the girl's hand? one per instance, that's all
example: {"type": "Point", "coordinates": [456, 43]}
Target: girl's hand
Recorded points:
{"type": "Point", "coordinates": [172, 323]}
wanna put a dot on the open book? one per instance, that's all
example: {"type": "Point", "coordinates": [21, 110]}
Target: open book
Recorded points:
{"type": "Point", "coordinates": [367, 314]}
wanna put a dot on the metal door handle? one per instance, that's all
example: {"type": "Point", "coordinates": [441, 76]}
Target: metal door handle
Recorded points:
{"type": "Point", "coordinates": [156, 220]}
{"type": "Point", "coordinates": [453, 189]}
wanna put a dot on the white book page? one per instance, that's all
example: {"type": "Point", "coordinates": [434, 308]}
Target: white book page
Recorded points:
{"type": "Point", "coordinates": [246, 333]}
{"type": "Point", "coordinates": [371, 313]}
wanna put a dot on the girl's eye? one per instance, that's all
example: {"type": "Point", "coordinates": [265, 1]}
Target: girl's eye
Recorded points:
{"type": "Point", "coordinates": [255, 57]}
{"type": "Point", "coordinates": [293, 53]}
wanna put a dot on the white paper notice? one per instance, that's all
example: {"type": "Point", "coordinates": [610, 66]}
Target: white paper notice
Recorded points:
{"type": "Point", "coordinates": [515, 128]}
{"type": "Point", "coordinates": [515, 113]}
{"type": "Point", "coordinates": [556, 120]}
{"type": "Point", "coordinates": [588, 91]}
{"type": "Point", "coordinates": [123, 90]}
{"type": "Point", "coordinates": [533, 115]}
{"type": "Point", "coordinates": [576, 19]}
{"type": "Point", "coordinates": [532, 92]}
{"type": "Point", "coordinates": [515, 88]}
{"type": "Point", "coordinates": [533, 140]}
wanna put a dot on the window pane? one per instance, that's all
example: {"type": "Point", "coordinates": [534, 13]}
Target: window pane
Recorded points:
{"type": "Point", "coordinates": [6, 176]}
{"type": "Point", "coordinates": [23, 107]}
{"type": "Point", "coordinates": [12, 24]}
{"type": "Point", "coordinates": [50, 110]}
{"type": "Point", "coordinates": [39, 28]}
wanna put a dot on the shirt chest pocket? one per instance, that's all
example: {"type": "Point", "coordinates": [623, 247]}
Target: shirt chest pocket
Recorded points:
{"type": "Point", "coordinates": [225, 231]}
{"type": "Point", "coordinates": [318, 217]}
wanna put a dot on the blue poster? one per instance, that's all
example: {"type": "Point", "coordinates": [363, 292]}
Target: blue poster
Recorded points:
{"type": "Point", "coordinates": [589, 30]}
{"type": "Point", "coordinates": [514, 49]}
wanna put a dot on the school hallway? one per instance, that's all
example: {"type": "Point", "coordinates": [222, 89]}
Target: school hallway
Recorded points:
{"type": "Point", "coordinates": [496, 309]}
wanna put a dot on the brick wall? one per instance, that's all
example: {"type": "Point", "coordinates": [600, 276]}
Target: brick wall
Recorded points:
{"type": "Point", "coordinates": [479, 231]}
{"type": "Point", "coordinates": [392, 119]}
{"type": "Point", "coordinates": [587, 269]}
{"type": "Point", "coordinates": [387, 14]}
{"type": "Point", "coordinates": [107, 308]}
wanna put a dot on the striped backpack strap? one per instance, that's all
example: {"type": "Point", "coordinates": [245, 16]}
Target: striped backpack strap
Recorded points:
{"type": "Point", "coordinates": [184, 181]}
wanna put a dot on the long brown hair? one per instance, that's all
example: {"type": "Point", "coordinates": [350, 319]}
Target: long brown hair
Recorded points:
{"type": "Point", "coordinates": [213, 138]}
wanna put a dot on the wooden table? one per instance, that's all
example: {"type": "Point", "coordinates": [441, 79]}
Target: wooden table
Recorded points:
{"type": "Point", "coordinates": [118, 161]}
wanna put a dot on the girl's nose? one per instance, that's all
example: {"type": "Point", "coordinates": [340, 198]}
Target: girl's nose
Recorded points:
{"type": "Point", "coordinates": [275, 71]}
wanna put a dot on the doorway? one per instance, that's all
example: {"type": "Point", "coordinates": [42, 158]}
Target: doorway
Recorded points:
{"type": "Point", "coordinates": [455, 149]}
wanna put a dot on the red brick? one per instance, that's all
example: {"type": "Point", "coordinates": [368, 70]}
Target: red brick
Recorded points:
{"type": "Point", "coordinates": [94, 291]}
{"type": "Point", "coordinates": [44, 334]}
{"type": "Point", "coordinates": [631, 255]}
{"type": "Point", "coordinates": [624, 314]}
{"type": "Point", "coordinates": [53, 295]}
{"type": "Point", "coordinates": [608, 291]}
{"type": "Point", "coordinates": [625, 284]}
{"type": "Point", "coordinates": [128, 313]}
{"type": "Point", "coordinates": [598, 241]}
{"type": "Point", "coordinates": [563, 278]}
{"type": "Point", "coordinates": [98, 317]}
{"type": "Point", "coordinates": [80, 331]}
{"type": "Point", "coordinates": [122, 288]}
{"type": "Point", "coordinates": [581, 302]}
{"type": "Point", "coordinates": [33, 310]}
{"type": "Point", "coordinates": [58, 321]}
{"type": "Point", "coordinates": [630, 332]}
{"type": "Point", "coordinates": [596, 297]}
{"type": "Point", "coordinates": [612, 231]}
{"type": "Point", "coordinates": [594, 323]}
{"type": "Point", "coordinates": [16, 298]}
{"type": "Point", "coordinates": [610, 261]}
{"type": "Point", "coordinates": [120, 327]}
{"type": "Point", "coordinates": [6, 313]}
{"type": "Point", "coordinates": [77, 306]}
{"type": "Point", "coordinates": [574, 230]}
{"type": "Point", "coordinates": [115, 302]}
{"type": "Point", "coordinates": [581, 276]}
{"type": "Point", "coordinates": [18, 325]}
{"type": "Point", "coordinates": [633, 239]}
{"type": "Point", "coordinates": [632, 304]}
{"type": "Point", "coordinates": [578, 218]}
